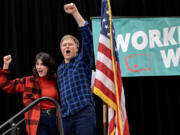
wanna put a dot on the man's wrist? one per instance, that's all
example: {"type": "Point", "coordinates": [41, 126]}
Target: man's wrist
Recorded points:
{"type": "Point", "coordinates": [5, 66]}
{"type": "Point", "coordinates": [79, 19]}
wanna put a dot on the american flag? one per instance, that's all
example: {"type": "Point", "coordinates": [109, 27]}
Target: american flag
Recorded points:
{"type": "Point", "coordinates": [108, 84]}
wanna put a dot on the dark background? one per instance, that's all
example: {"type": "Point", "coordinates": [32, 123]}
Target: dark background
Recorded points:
{"type": "Point", "coordinates": [30, 26]}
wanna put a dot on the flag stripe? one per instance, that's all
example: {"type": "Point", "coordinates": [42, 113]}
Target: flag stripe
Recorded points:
{"type": "Point", "coordinates": [104, 40]}
{"type": "Point", "coordinates": [105, 98]}
{"type": "Point", "coordinates": [111, 120]}
{"type": "Point", "coordinates": [101, 66]}
{"type": "Point", "coordinates": [104, 59]}
{"type": "Point", "coordinates": [106, 91]}
{"type": "Point", "coordinates": [106, 51]}
{"type": "Point", "coordinates": [106, 82]}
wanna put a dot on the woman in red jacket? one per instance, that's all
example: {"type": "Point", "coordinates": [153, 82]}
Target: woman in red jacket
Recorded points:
{"type": "Point", "coordinates": [41, 119]}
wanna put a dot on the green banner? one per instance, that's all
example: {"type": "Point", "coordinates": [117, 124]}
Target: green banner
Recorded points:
{"type": "Point", "coordinates": [147, 46]}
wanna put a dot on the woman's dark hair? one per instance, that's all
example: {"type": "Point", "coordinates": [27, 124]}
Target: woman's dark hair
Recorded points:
{"type": "Point", "coordinates": [48, 61]}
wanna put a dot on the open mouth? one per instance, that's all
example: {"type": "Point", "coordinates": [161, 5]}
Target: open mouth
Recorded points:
{"type": "Point", "coordinates": [68, 52]}
{"type": "Point", "coordinates": [40, 71]}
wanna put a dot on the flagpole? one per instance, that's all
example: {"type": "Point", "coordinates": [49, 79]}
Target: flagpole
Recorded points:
{"type": "Point", "coordinates": [105, 122]}
{"type": "Point", "coordinates": [114, 69]}
{"type": "Point", "coordinates": [108, 83]}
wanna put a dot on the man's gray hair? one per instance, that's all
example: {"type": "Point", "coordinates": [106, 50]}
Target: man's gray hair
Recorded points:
{"type": "Point", "coordinates": [72, 37]}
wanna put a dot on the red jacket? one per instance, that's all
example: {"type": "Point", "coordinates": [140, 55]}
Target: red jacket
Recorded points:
{"type": "Point", "coordinates": [30, 88]}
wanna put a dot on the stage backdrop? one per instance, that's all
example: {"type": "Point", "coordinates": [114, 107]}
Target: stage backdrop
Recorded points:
{"type": "Point", "coordinates": [147, 46]}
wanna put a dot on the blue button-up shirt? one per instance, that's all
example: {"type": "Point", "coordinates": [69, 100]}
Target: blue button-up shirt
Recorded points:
{"type": "Point", "coordinates": [74, 78]}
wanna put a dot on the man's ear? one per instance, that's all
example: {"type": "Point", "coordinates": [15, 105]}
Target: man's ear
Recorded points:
{"type": "Point", "coordinates": [77, 50]}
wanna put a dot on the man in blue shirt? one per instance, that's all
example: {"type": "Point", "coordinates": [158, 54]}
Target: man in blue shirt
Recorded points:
{"type": "Point", "coordinates": [74, 79]}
